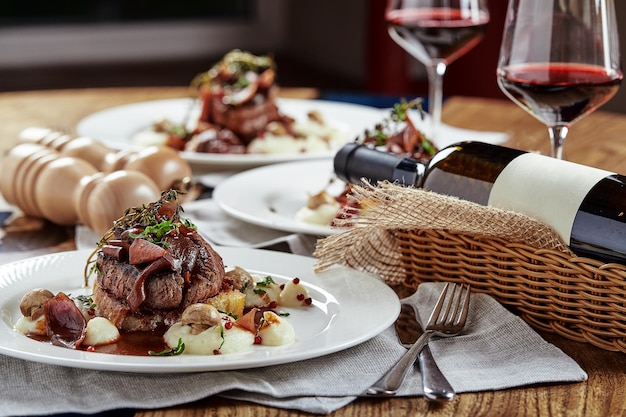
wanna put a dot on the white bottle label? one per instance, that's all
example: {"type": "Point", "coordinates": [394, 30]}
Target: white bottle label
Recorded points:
{"type": "Point", "coordinates": [546, 189]}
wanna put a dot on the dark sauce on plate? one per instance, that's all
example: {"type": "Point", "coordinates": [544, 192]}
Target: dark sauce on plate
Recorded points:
{"type": "Point", "coordinates": [130, 343]}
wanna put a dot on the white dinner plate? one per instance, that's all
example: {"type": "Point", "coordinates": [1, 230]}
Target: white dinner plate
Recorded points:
{"type": "Point", "coordinates": [349, 307]}
{"type": "Point", "coordinates": [270, 196]}
{"type": "Point", "coordinates": [117, 126]}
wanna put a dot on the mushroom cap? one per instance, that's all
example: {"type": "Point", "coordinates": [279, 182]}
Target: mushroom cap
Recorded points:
{"type": "Point", "coordinates": [32, 302]}
{"type": "Point", "coordinates": [202, 314]}
{"type": "Point", "coordinates": [240, 277]}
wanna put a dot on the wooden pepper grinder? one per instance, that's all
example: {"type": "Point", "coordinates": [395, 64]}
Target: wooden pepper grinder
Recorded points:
{"type": "Point", "coordinates": [79, 180]}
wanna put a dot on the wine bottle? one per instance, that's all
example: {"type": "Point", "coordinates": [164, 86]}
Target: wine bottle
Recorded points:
{"type": "Point", "coordinates": [585, 205]}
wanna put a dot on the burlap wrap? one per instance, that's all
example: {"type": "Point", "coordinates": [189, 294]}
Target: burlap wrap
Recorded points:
{"type": "Point", "coordinates": [369, 244]}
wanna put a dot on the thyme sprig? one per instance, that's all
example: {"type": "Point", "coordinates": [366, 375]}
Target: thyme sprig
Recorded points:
{"type": "Point", "coordinates": [87, 301]}
{"type": "Point", "coordinates": [266, 282]}
{"type": "Point", "coordinates": [175, 351]}
{"type": "Point", "coordinates": [393, 124]}
{"type": "Point", "coordinates": [146, 216]}
{"type": "Point", "coordinates": [235, 63]}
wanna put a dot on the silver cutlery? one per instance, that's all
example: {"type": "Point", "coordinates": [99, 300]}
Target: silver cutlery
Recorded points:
{"type": "Point", "coordinates": [434, 384]}
{"type": "Point", "coordinates": [446, 320]}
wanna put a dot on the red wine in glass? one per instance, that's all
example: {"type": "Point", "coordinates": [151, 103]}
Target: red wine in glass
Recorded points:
{"type": "Point", "coordinates": [437, 33]}
{"type": "Point", "coordinates": [560, 60]}
{"type": "Point", "coordinates": [559, 93]}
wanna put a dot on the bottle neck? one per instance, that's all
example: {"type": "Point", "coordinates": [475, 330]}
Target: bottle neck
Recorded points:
{"type": "Point", "coordinates": [409, 172]}
{"type": "Point", "coordinates": [354, 162]}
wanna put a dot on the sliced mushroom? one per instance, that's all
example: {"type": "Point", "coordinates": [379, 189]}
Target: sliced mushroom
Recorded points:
{"type": "Point", "coordinates": [240, 278]}
{"type": "Point", "coordinates": [200, 317]}
{"type": "Point", "coordinates": [32, 302]}
{"type": "Point", "coordinates": [319, 199]}
{"type": "Point", "coordinates": [316, 117]}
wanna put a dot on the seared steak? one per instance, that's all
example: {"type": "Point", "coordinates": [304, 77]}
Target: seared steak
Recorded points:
{"type": "Point", "coordinates": [245, 121]}
{"type": "Point", "coordinates": [141, 284]}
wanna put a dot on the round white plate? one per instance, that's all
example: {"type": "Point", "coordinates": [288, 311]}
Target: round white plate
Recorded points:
{"type": "Point", "coordinates": [270, 196]}
{"type": "Point", "coordinates": [340, 295]}
{"type": "Point", "coordinates": [117, 126]}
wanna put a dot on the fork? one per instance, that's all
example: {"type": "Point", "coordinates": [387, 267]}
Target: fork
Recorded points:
{"type": "Point", "coordinates": [446, 320]}
{"type": "Point", "coordinates": [434, 384]}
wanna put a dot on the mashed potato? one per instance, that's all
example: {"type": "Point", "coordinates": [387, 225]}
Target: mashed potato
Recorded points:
{"type": "Point", "coordinates": [294, 294]}
{"type": "Point", "coordinates": [228, 337]}
{"type": "Point", "coordinates": [25, 325]}
{"type": "Point", "coordinates": [218, 339]}
{"type": "Point", "coordinates": [274, 331]}
{"type": "Point", "coordinates": [100, 331]}
{"type": "Point", "coordinates": [311, 136]}
{"type": "Point", "coordinates": [321, 208]}
{"type": "Point", "coordinates": [262, 292]}
{"type": "Point", "coordinates": [322, 214]}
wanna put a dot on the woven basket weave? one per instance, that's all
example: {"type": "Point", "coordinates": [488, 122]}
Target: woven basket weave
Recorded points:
{"type": "Point", "coordinates": [408, 236]}
{"type": "Point", "coordinates": [578, 298]}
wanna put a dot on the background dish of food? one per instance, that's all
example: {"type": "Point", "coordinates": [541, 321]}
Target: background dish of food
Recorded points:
{"type": "Point", "coordinates": [118, 126]}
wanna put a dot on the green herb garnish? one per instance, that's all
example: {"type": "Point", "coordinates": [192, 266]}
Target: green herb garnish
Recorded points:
{"type": "Point", "coordinates": [222, 336]}
{"type": "Point", "coordinates": [154, 233]}
{"type": "Point", "coordinates": [179, 349]}
{"type": "Point", "coordinates": [86, 301]}
{"type": "Point", "coordinates": [267, 281]}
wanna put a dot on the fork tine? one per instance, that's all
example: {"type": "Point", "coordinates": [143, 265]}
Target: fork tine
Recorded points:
{"type": "Point", "coordinates": [456, 298]}
{"type": "Point", "coordinates": [434, 316]}
{"type": "Point", "coordinates": [465, 308]}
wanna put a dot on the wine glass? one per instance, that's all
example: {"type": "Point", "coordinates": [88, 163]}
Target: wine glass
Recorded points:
{"type": "Point", "coordinates": [436, 32]}
{"type": "Point", "coordinates": [560, 60]}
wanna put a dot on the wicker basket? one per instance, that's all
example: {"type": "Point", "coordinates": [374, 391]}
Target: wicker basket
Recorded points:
{"type": "Point", "coordinates": [405, 235]}
{"type": "Point", "coordinates": [578, 298]}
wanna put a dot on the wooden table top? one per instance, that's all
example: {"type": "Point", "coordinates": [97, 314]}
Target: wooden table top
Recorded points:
{"type": "Point", "coordinates": [596, 140]}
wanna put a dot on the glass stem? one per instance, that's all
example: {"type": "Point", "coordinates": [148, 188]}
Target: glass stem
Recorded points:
{"type": "Point", "coordinates": [557, 138]}
{"type": "Point", "coordinates": [435, 72]}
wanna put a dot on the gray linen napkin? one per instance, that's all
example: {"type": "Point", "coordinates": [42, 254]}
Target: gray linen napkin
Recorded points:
{"type": "Point", "coordinates": [496, 351]}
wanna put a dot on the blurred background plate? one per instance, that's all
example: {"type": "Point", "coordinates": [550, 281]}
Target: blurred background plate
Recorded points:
{"type": "Point", "coordinates": [270, 196]}
{"type": "Point", "coordinates": [117, 126]}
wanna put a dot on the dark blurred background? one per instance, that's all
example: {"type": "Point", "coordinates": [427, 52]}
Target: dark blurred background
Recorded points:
{"type": "Point", "coordinates": [338, 46]}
